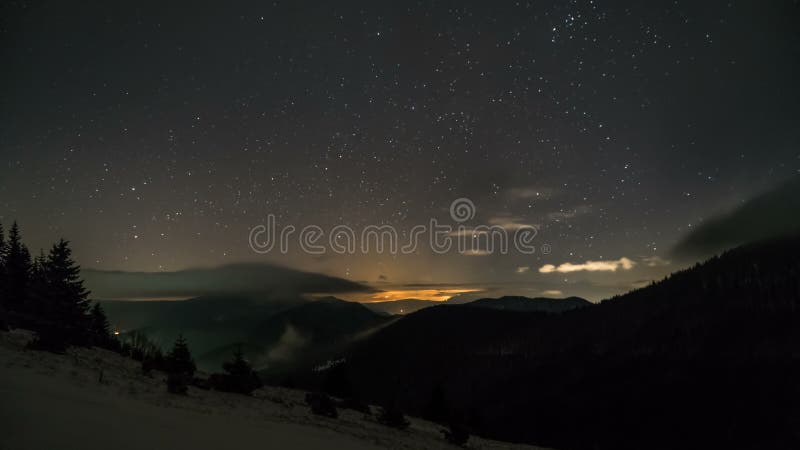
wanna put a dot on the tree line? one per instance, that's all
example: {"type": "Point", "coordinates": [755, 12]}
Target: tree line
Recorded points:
{"type": "Point", "coordinates": [46, 294]}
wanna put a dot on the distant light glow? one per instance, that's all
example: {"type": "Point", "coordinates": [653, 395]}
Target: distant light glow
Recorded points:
{"type": "Point", "coordinates": [437, 295]}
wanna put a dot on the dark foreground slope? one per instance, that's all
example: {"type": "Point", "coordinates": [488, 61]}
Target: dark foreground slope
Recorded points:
{"type": "Point", "coordinates": [58, 401]}
{"type": "Point", "coordinates": [707, 358]}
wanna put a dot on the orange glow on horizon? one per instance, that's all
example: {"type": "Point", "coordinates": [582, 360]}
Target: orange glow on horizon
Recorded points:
{"type": "Point", "coordinates": [437, 295]}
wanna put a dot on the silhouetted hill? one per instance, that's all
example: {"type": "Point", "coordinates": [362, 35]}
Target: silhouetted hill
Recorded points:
{"type": "Point", "coordinates": [273, 332]}
{"type": "Point", "coordinates": [514, 303]}
{"type": "Point", "coordinates": [706, 358]}
{"type": "Point", "coordinates": [406, 306]}
{"type": "Point", "coordinates": [206, 322]}
{"type": "Point", "coordinates": [300, 336]}
{"type": "Point", "coordinates": [319, 321]}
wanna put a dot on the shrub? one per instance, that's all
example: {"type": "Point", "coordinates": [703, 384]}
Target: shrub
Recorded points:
{"type": "Point", "coordinates": [393, 417]}
{"type": "Point", "coordinates": [180, 358]}
{"type": "Point", "coordinates": [321, 404]}
{"type": "Point", "coordinates": [202, 383]}
{"type": "Point", "coordinates": [49, 339]}
{"type": "Point", "coordinates": [457, 434]}
{"type": "Point", "coordinates": [178, 383]}
{"type": "Point", "coordinates": [239, 376]}
{"type": "Point", "coordinates": [180, 367]}
{"type": "Point", "coordinates": [153, 361]}
{"type": "Point", "coordinates": [355, 404]}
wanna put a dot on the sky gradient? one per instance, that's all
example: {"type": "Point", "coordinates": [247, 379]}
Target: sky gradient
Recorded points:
{"type": "Point", "coordinates": [155, 136]}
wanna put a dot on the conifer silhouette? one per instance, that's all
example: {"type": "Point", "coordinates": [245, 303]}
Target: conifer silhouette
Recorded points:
{"type": "Point", "coordinates": [99, 328]}
{"type": "Point", "coordinates": [179, 360]}
{"type": "Point", "coordinates": [3, 280]}
{"type": "Point", "coordinates": [180, 367]}
{"type": "Point", "coordinates": [65, 287]}
{"type": "Point", "coordinates": [17, 271]}
{"type": "Point", "coordinates": [239, 375]}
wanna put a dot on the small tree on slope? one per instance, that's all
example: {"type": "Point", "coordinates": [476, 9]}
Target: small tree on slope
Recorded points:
{"type": "Point", "coordinates": [180, 367]}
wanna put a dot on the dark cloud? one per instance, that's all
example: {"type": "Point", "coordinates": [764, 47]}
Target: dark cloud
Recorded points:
{"type": "Point", "coordinates": [771, 214]}
{"type": "Point", "coordinates": [259, 279]}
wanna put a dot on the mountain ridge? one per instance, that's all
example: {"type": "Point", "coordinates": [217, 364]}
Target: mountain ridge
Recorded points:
{"type": "Point", "coordinates": [720, 336]}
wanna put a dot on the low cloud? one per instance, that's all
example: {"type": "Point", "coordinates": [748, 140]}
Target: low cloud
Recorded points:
{"type": "Point", "coordinates": [531, 192]}
{"type": "Point", "coordinates": [523, 269]}
{"type": "Point", "coordinates": [511, 223]}
{"type": "Point", "coordinates": [552, 292]}
{"type": "Point", "coordinates": [287, 347]}
{"type": "Point", "coordinates": [655, 261]}
{"type": "Point", "coordinates": [590, 266]}
{"type": "Point", "coordinates": [476, 252]}
{"type": "Point", "coordinates": [772, 214]}
{"type": "Point", "coordinates": [234, 279]}
{"type": "Point", "coordinates": [566, 214]}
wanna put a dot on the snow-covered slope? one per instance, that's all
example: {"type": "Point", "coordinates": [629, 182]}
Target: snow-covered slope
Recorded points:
{"type": "Point", "coordinates": [94, 399]}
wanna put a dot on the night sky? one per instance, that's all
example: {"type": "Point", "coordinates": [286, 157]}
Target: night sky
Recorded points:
{"type": "Point", "coordinates": [155, 136]}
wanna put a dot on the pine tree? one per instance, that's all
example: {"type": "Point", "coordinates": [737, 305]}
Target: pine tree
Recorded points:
{"type": "Point", "coordinates": [238, 365]}
{"type": "Point", "coordinates": [179, 360]}
{"type": "Point", "coordinates": [66, 297]}
{"type": "Point", "coordinates": [3, 246]}
{"type": "Point", "coordinates": [3, 279]}
{"type": "Point", "coordinates": [17, 271]}
{"type": "Point", "coordinates": [240, 376]}
{"type": "Point", "coordinates": [98, 327]}
{"type": "Point", "coordinates": [180, 367]}
{"type": "Point", "coordinates": [38, 288]}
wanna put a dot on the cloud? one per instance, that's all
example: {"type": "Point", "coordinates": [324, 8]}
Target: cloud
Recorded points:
{"type": "Point", "coordinates": [476, 252]}
{"type": "Point", "coordinates": [531, 192]}
{"type": "Point", "coordinates": [234, 279]}
{"type": "Point", "coordinates": [467, 232]}
{"type": "Point", "coordinates": [511, 223]}
{"type": "Point", "coordinates": [523, 269]}
{"type": "Point", "coordinates": [438, 295]}
{"type": "Point", "coordinates": [590, 266]}
{"type": "Point", "coordinates": [498, 224]}
{"type": "Point", "coordinates": [287, 347]}
{"type": "Point", "coordinates": [655, 261]}
{"type": "Point", "coordinates": [558, 216]}
{"type": "Point", "coordinates": [552, 292]}
{"type": "Point", "coordinates": [774, 213]}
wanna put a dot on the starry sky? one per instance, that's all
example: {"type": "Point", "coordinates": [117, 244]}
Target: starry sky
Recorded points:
{"type": "Point", "coordinates": [154, 136]}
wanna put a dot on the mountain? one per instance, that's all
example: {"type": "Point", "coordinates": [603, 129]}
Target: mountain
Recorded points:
{"type": "Point", "coordinates": [706, 358]}
{"type": "Point", "coordinates": [527, 304]}
{"type": "Point", "coordinates": [406, 306]}
{"type": "Point", "coordinates": [302, 334]}
{"type": "Point", "coordinates": [275, 333]}
{"type": "Point", "coordinates": [228, 303]}
{"type": "Point", "coordinates": [206, 322]}
{"type": "Point", "coordinates": [320, 321]}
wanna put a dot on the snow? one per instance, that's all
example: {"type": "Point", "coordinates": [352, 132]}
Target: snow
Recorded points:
{"type": "Point", "coordinates": [61, 401]}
